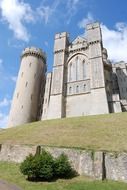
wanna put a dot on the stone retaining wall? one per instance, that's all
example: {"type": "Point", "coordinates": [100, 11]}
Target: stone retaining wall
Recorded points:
{"type": "Point", "coordinates": [99, 165]}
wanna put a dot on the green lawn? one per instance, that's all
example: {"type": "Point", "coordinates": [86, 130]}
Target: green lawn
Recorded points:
{"type": "Point", "coordinates": [101, 132]}
{"type": "Point", "coordinates": [10, 172]}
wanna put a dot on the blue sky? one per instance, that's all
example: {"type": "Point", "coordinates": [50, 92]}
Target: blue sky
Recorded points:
{"type": "Point", "coordinates": [34, 23]}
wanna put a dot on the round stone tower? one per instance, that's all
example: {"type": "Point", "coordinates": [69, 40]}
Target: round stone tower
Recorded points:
{"type": "Point", "coordinates": [29, 89]}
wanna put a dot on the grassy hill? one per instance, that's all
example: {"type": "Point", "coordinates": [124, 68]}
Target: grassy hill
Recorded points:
{"type": "Point", "coordinates": [103, 132]}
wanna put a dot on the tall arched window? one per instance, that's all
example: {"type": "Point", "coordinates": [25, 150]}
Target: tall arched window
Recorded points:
{"type": "Point", "coordinates": [84, 69]}
{"type": "Point", "coordinates": [70, 71]}
{"type": "Point", "coordinates": [76, 67]}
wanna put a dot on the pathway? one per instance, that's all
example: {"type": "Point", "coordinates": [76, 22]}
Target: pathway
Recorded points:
{"type": "Point", "coordinates": [6, 186]}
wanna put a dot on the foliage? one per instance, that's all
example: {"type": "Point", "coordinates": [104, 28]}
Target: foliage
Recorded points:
{"type": "Point", "coordinates": [44, 167]}
{"type": "Point", "coordinates": [38, 167]}
{"type": "Point", "coordinates": [63, 167]}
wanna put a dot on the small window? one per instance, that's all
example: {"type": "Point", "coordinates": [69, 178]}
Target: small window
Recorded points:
{"type": "Point", "coordinates": [29, 64]}
{"type": "Point", "coordinates": [31, 96]}
{"type": "Point", "coordinates": [45, 100]}
{"type": "Point", "coordinates": [22, 74]}
{"type": "Point", "coordinates": [17, 95]}
{"type": "Point", "coordinates": [22, 107]}
{"type": "Point", "coordinates": [35, 75]}
{"type": "Point", "coordinates": [77, 89]}
{"type": "Point", "coordinates": [26, 84]}
{"type": "Point", "coordinates": [84, 87]}
{"type": "Point", "coordinates": [70, 90]}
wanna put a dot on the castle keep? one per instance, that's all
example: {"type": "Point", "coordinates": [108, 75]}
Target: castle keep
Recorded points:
{"type": "Point", "coordinates": [83, 81]}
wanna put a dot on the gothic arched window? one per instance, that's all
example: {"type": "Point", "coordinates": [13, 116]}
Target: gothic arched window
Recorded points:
{"type": "Point", "coordinates": [84, 69]}
{"type": "Point", "coordinates": [70, 71]}
{"type": "Point", "coordinates": [76, 67]}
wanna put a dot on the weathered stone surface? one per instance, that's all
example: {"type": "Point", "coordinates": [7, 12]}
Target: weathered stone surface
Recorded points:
{"type": "Point", "coordinates": [16, 153]}
{"type": "Point", "coordinates": [73, 155]}
{"type": "Point", "coordinates": [116, 166]}
{"type": "Point", "coordinates": [97, 165]}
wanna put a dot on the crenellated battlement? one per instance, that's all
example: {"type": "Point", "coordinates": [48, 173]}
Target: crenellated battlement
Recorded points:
{"type": "Point", "coordinates": [83, 80]}
{"type": "Point", "coordinates": [35, 52]}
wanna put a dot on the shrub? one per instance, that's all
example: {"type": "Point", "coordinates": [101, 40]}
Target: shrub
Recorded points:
{"type": "Point", "coordinates": [62, 167]}
{"type": "Point", "coordinates": [44, 167]}
{"type": "Point", "coordinates": [27, 166]}
{"type": "Point", "coordinates": [38, 167]}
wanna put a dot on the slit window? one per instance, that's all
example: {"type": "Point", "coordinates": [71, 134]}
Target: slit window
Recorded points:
{"type": "Point", "coordinates": [34, 75]}
{"type": "Point", "coordinates": [70, 90]}
{"type": "Point", "coordinates": [84, 87]}
{"type": "Point", "coordinates": [22, 74]}
{"type": "Point", "coordinates": [17, 95]}
{"type": "Point", "coordinates": [77, 89]}
{"type": "Point", "coordinates": [26, 84]}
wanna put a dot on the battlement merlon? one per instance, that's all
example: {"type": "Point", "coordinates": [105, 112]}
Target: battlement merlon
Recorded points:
{"type": "Point", "coordinates": [61, 42]}
{"type": "Point", "coordinates": [35, 52]}
{"type": "Point", "coordinates": [93, 32]}
{"type": "Point", "coordinates": [61, 35]}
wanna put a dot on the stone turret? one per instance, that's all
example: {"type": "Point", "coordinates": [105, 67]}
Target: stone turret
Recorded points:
{"type": "Point", "coordinates": [29, 86]}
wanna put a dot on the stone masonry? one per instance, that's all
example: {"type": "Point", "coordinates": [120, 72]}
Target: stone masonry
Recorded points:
{"type": "Point", "coordinates": [83, 81]}
{"type": "Point", "coordinates": [96, 164]}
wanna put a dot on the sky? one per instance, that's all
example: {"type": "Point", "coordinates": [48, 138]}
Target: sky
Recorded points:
{"type": "Point", "coordinates": [25, 23]}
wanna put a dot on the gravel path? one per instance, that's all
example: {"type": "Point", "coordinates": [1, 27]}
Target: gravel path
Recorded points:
{"type": "Point", "coordinates": [6, 186]}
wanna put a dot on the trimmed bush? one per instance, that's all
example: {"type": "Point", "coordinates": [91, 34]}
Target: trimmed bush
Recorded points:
{"type": "Point", "coordinates": [27, 167]}
{"type": "Point", "coordinates": [38, 167]}
{"type": "Point", "coordinates": [62, 167]}
{"type": "Point", "coordinates": [44, 167]}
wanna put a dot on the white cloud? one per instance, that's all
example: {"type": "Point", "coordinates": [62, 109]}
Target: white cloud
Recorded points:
{"type": "Point", "coordinates": [86, 20]}
{"type": "Point", "coordinates": [5, 102]}
{"type": "Point", "coordinates": [14, 78]}
{"type": "Point", "coordinates": [45, 12]}
{"type": "Point", "coordinates": [1, 61]}
{"type": "Point", "coordinates": [114, 40]}
{"type": "Point", "coordinates": [72, 7]}
{"type": "Point", "coordinates": [1, 64]}
{"type": "Point", "coordinates": [46, 43]}
{"type": "Point", "coordinates": [16, 13]}
{"type": "Point", "coordinates": [3, 120]}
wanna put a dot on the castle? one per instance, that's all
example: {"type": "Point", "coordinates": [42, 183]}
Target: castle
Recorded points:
{"type": "Point", "coordinates": [83, 81]}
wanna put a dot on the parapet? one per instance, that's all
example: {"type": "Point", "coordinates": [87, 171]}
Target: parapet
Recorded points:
{"type": "Point", "coordinates": [120, 65]}
{"type": "Point", "coordinates": [61, 35]}
{"type": "Point", "coordinates": [93, 25]}
{"type": "Point", "coordinates": [35, 52]}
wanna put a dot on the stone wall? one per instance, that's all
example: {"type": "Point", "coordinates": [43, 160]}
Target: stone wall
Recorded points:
{"type": "Point", "coordinates": [98, 165]}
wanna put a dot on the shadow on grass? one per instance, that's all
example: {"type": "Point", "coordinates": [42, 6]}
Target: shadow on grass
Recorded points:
{"type": "Point", "coordinates": [71, 175]}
